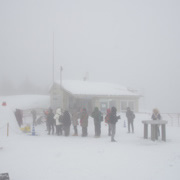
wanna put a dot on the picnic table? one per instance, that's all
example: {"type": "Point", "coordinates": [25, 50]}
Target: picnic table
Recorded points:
{"type": "Point", "coordinates": [154, 129]}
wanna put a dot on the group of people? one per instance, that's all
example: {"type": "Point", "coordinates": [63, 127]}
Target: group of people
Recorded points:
{"type": "Point", "coordinates": [62, 121]}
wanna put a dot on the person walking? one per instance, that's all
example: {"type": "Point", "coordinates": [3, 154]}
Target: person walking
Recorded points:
{"type": "Point", "coordinates": [58, 120]}
{"type": "Point", "coordinates": [113, 120]}
{"type": "Point", "coordinates": [66, 123]}
{"type": "Point", "coordinates": [50, 121]}
{"type": "Point", "coordinates": [107, 120]}
{"type": "Point", "coordinates": [84, 122]}
{"type": "Point", "coordinates": [97, 115]}
{"type": "Point", "coordinates": [75, 117]}
{"type": "Point", "coordinates": [130, 118]}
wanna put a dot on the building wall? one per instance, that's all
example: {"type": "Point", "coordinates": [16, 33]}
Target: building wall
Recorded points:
{"type": "Point", "coordinates": [64, 99]}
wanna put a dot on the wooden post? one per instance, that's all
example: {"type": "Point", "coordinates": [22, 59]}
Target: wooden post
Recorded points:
{"type": "Point", "coordinates": [156, 128]}
{"type": "Point", "coordinates": [163, 126]}
{"type": "Point", "coordinates": [7, 129]}
{"type": "Point", "coordinates": [152, 132]}
{"type": "Point", "coordinates": [145, 131]}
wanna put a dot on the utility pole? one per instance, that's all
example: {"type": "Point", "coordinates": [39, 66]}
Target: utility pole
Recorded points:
{"type": "Point", "coordinates": [53, 61]}
{"type": "Point", "coordinates": [61, 89]}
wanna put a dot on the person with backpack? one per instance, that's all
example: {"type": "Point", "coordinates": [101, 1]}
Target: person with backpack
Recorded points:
{"type": "Point", "coordinates": [112, 122]}
{"type": "Point", "coordinates": [58, 121]}
{"type": "Point", "coordinates": [97, 115]}
{"type": "Point", "coordinates": [130, 118]}
{"type": "Point", "coordinates": [107, 120]}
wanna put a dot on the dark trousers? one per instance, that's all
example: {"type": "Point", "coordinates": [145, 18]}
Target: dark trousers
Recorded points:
{"type": "Point", "coordinates": [59, 130]}
{"type": "Point", "coordinates": [97, 128]}
{"type": "Point", "coordinates": [50, 127]}
{"type": "Point", "coordinates": [130, 123]}
{"type": "Point", "coordinates": [75, 130]}
{"type": "Point", "coordinates": [84, 131]}
{"type": "Point", "coordinates": [109, 130]}
{"type": "Point", "coordinates": [66, 130]}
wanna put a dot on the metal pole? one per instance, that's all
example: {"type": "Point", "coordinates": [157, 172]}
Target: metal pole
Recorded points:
{"type": "Point", "coordinates": [53, 60]}
{"type": "Point", "coordinates": [61, 89]}
{"type": "Point", "coordinates": [7, 129]}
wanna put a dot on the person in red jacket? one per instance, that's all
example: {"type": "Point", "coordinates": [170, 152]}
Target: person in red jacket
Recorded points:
{"type": "Point", "coordinates": [84, 122]}
{"type": "Point", "coordinates": [107, 120]}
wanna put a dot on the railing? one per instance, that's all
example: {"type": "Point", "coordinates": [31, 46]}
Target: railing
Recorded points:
{"type": "Point", "coordinates": [172, 118]}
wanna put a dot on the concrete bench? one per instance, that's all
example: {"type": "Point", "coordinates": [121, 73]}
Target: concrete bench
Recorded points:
{"type": "Point", "coordinates": [154, 129]}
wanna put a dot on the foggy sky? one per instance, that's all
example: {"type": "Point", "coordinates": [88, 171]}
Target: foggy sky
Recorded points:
{"type": "Point", "coordinates": [134, 43]}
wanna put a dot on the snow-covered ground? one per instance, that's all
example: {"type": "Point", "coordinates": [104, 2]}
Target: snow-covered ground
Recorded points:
{"type": "Point", "coordinates": [45, 157]}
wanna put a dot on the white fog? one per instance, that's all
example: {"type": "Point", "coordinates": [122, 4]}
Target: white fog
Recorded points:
{"type": "Point", "coordinates": [82, 54]}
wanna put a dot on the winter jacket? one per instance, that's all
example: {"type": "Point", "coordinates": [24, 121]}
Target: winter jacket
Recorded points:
{"type": "Point", "coordinates": [107, 116]}
{"type": "Point", "coordinates": [113, 117]}
{"type": "Point", "coordinates": [84, 118]}
{"type": "Point", "coordinates": [75, 117]}
{"type": "Point", "coordinates": [97, 115]}
{"type": "Point", "coordinates": [50, 118]}
{"type": "Point", "coordinates": [66, 119]}
{"type": "Point", "coordinates": [156, 116]}
{"type": "Point", "coordinates": [130, 115]}
{"type": "Point", "coordinates": [57, 117]}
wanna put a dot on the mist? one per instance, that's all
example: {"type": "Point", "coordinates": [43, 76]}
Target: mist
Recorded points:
{"type": "Point", "coordinates": [133, 43]}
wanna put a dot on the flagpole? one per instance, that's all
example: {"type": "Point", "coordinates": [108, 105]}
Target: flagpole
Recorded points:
{"type": "Point", "coordinates": [53, 60]}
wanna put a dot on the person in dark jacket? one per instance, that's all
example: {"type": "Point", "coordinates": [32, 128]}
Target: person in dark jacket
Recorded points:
{"type": "Point", "coordinates": [113, 120]}
{"type": "Point", "coordinates": [107, 120]}
{"type": "Point", "coordinates": [50, 121]}
{"type": "Point", "coordinates": [84, 122]}
{"type": "Point", "coordinates": [34, 116]}
{"type": "Point", "coordinates": [130, 117]}
{"type": "Point", "coordinates": [19, 117]}
{"type": "Point", "coordinates": [156, 116]}
{"type": "Point", "coordinates": [66, 123]}
{"type": "Point", "coordinates": [97, 115]}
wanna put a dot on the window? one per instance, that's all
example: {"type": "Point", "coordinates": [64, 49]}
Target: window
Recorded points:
{"type": "Point", "coordinates": [131, 105]}
{"type": "Point", "coordinates": [125, 104]}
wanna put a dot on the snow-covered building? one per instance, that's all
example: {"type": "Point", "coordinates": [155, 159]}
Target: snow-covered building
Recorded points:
{"type": "Point", "coordinates": [76, 94]}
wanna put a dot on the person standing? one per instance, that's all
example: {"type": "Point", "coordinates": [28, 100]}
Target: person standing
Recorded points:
{"type": "Point", "coordinates": [130, 117]}
{"type": "Point", "coordinates": [97, 115]}
{"type": "Point", "coordinates": [58, 121]}
{"type": "Point", "coordinates": [19, 117]}
{"type": "Point", "coordinates": [113, 120]}
{"type": "Point", "coordinates": [156, 116]}
{"type": "Point", "coordinates": [50, 121]}
{"type": "Point", "coordinates": [66, 123]}
{"type": "Point", "coordinates": [34, 116]}
{"type": "Point", "coordinates": [107, 120]}
{"type": "Point", "coordinates": [75, 117]}
{"type": "Point", "coordinates": [84, 122]}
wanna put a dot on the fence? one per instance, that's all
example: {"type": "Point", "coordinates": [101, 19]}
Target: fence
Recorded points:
{"type": "Point", "coordinates": [172, 118]}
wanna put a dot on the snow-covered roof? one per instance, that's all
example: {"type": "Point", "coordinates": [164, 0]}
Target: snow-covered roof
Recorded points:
{"type": "Point", "coordinates": [78, 87]}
